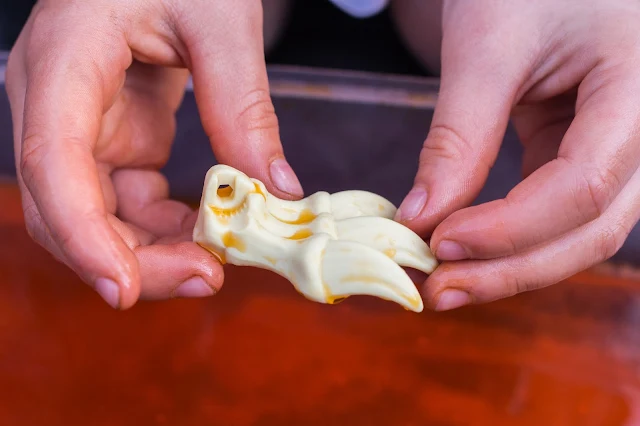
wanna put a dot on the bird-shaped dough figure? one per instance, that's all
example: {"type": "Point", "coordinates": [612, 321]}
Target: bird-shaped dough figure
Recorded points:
{"type": "Point", "coordinates": [329, 246]}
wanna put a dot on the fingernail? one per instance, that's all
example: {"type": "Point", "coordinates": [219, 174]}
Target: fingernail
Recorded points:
{"type": "Point", "coordinates": [284, 178]}
{"type": "Point", "coordinates": [449, 250]}
{"type": "Point", "coordinates": [109, 291]}
{"type": "Point", "coordinates": [412, 205]}
{"type": "Point", "coordinates": [452, 299]}
{"type": "Point", "coordinates": [194, 287]}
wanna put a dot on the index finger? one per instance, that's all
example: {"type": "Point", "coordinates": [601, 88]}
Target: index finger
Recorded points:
{"type": "Point", "coordinates": [231, 86]}
{"type": "Point", "coordinates": [68, 88]}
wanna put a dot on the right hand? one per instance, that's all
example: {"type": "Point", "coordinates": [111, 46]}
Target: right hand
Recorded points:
{"type": "Point", "coordinates": [93, 87]}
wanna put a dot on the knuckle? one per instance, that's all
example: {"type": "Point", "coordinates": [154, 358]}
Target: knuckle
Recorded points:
{"type": "Point", "coordinates": [516, 283]}
{"type": "Point", "coordinates": [257, 111]}
{"type": "Point", "coordinates": [32, 221]}
{"type": "Point", "coordinates": [32, 155]}
{"type": "Point", "coordinates": [65, 241]}
{"type": "Point", "coordinates": [446, 143]}
{"type": "Point", "coordinates": [599, 189]}
{"type": "Point", "coordinates": [509, 237]}
{"type": "Point", "coordinates": [609, 241]}
{"type": "Point", "coordinates": [40, 233]}
{"type": "Point", "coordinates": [36, 228]}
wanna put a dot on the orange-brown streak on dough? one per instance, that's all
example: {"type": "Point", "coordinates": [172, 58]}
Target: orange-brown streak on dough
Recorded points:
{"type": "Point", "coordinates": [390, 252]}
{"type": "Point", "coordinates": [231, 241]}
{"type": "Point", "coordinates": [305, 216]}
{"type": "Point", "coordinates": [301, 234]}
{"type": "Point", "coordinates": [225, 212]}
{"type": "Point", "coordinates": [259, 191]}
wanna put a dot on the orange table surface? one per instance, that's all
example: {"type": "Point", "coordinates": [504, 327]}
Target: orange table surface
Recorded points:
{"type": "Point", "coordinates": [257, 353]}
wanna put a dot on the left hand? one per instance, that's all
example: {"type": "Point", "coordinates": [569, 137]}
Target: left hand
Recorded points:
{"type": "Point", "coordinates": [567, 73]}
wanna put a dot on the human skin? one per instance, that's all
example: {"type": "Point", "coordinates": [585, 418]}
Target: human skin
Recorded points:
{"type": "Point", "coordinates": [566, 73]}
{"type": "Point", "coordinates": [93, 87]}
{"type": "Point", "coordinates": [92, 130]}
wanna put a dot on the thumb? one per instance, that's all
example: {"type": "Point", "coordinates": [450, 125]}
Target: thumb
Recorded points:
{"type": "Point", "coordinates": [478, 88]}
{"type": "Point", "coordinates": [232, 91]}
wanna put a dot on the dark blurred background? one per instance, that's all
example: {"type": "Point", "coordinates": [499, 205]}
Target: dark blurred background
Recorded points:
{"type": "Point", "coordinates": [318, 34]}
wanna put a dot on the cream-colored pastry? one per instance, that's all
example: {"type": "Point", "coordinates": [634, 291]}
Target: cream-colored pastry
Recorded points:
{"type": "Point", "coordinates": [329, 246]}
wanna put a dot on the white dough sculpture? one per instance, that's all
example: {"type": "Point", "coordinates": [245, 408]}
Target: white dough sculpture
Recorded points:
{"type": "Point", "coordinates": [329, 246]}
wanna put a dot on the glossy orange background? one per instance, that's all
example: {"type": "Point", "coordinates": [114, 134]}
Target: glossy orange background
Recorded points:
{"type": "Point", "coordinates": [259, 354]}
